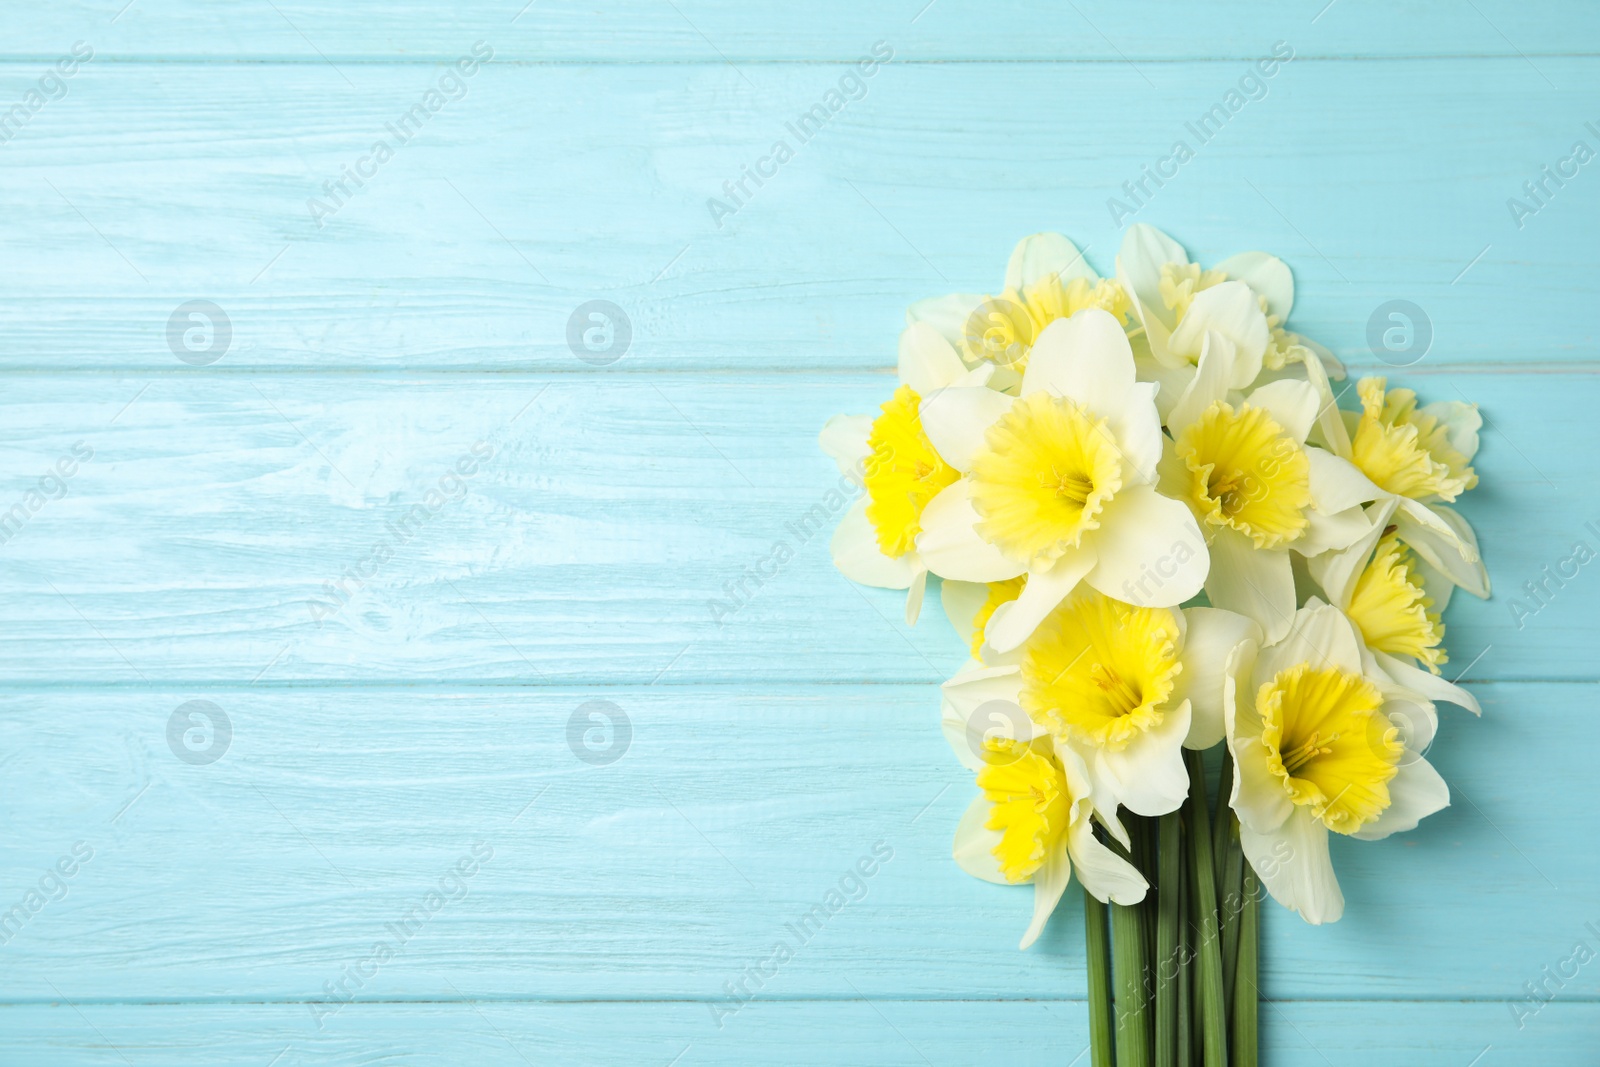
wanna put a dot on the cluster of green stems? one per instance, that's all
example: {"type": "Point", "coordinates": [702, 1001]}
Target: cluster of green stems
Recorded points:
{"type": "Point", "coordinates": [1174, 979]}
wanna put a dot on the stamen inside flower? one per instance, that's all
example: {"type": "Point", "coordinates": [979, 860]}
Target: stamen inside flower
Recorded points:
{"type": "Point", "coordinates": [1099, 671]}
{"type": "Point", "coordinates": [904, 473]}
{"type": "Point", "coordinates": [1329, 743]}
{"type": "Point", "coordinates": [1391, 609]}
{"type": "Point", "coordinates": [1032, 803]}
{"type": "Point", "coordinates": [1246, 473]}
{"type": "Point", "coordinates": [1047, 471]}
{"type": "Point", "coordinates": [999, 593]}
{"type": "Point", "coordinates": [1004, 327]}
{"type": "Point", "coordinates": [1406, 451]}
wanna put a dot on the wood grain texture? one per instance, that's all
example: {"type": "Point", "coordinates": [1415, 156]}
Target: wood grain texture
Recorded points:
{"type": "Point", "coordinates": [598, 542]}
{"type": "Point", "coordinates": [541, 188]}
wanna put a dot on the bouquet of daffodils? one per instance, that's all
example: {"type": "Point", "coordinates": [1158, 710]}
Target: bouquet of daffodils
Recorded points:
{"type": "Point", "coordinates": [1159, 534]}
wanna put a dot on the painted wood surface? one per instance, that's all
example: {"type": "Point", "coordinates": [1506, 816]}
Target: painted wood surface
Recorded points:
{"type": "Point", "coordinates": [453, 706]}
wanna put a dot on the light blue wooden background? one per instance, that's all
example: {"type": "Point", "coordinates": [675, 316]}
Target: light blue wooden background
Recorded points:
{"type": "Point", "coordinates": [766, 755]}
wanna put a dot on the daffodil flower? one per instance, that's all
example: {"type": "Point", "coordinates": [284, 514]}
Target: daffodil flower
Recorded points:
{"type": "Point", "coordinates": [1058, 483]}
{"type": "Point", "coordinates": [891, 458]}
{"type": "Point", "coordinates": [1422, 459]}
{"type": "Point", "coordinates": [1032, 822]}
{"type": "Point", "coordinates": [1322, 742]}
{"type": "Point", "coordinates": [1395, 601]}
{"type": "Point", "coordinates": [1126, 687]}
{"type": "Point", "coordinates": [1242, 464]}
{"type": "Point", "coordinates": [1244, 301]}
{"type": "Point", "coordinates": [1047, 279]}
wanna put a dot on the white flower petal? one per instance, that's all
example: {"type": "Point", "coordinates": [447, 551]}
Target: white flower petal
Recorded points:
{"type": "Point", "coordinates": [1085, 358]}
{"type": "Point", "coordinates": [1212, 636]}
{"type": "Point", "coordinates": [1328, 363]}
{"type": "Point", "coordinates": [1258, 583]}
{"type": "Point", "coordinates": [1149, 548]}
{"type": "Point", "coordinates": [1211, 381]}
{"type": "Point", "coordinates": [1443, 538]}
{"type": "Point", "coordinates": [927, 360]}
{"type": "Point", "coordinates": [1462, 423]}
{"type": "Point", "coordinates": [961, 602]}
{"type": "Point", "coordinates": [1144, 250]}
{"type": "Point", "coordinates": [957, 418]}
{"type": "Point", "coordinates": [949, 545]}
{"type": "Point", "coordinates": [844, 439]}
{"type": "Point", "coordinates": [1337, 572]}
{"type": "Point", "coordinates": [1415, 792]}
{"type": "Point", "coordinates": [1106, 875]}
{"type": "Point", "coordinates": [858, 557]}
{"type": "Point", "coordinates": [1231, 310]}
{"type": "Point", "coordinates": [914, 595]}
{"type": "Point", "coordinates": [1428, 684]}
{"type": "Point", "coordinates": [1014, 620]}
{"type": "Point", "coordinates": [979, 704]}
{"type": "Point", "coordinates": [1331, 430]}
{"type": "Point", "coordinates": [1329, 533]}
{"type": "Point", "coordinates": [1039, 256]}
{"type": "Point", "coordinates": [1321, 635]}
{"type": "Point", "coordinates": [1292, 405]}
{"type": "Point", "coordinates": [948, 315]}
{"type": "Point", "coordinates": [1267, 275]}
{"type": "Point", "coordinates": [1294, 865]}
{"type": "Point", "coordinates": [1150, 775]}
{"type": "Point", "coordinates": [1337, 484]}
{"type": "Point", "coordinates": [1173, 381]}
{"type": "Point", "coordinates": [1049, 882]}
{"type": "Point", "coordinates": [1137, 429]}
{"type": "Point", "coordinates": [975, 843]}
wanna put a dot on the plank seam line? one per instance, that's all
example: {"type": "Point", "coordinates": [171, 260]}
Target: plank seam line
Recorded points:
{"type": "Point", "coordinates": [106, 59]}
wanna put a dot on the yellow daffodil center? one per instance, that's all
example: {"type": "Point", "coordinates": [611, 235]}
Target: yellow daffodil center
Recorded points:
{"type": "Point", "coordinates": [1403, 450]}
{"type": "Point", "coordinates": [905, 474]}
{"type": "Point", "coordinates": [1004, 327]}
{"type": "Point", "coordinates": [1032, 804]}
{"type": "Point", "coordinates": [1181, 281]}
{"type": "Point", "coordinates": [1392, 610]}
{"type": "Point", "coordinates": [1047, 471]}
{"type": "Point", "coordinates": [1098, 671]}
{"type": "Point", "coordinates": [1245, 472]}
{"type": "Point", "coordinates": [1329, 744]}
{"type": "Point", "coordinates": [999, 593]}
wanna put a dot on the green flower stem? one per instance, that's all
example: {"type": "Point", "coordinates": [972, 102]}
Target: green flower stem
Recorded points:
{"type": "Point", "coordinates": [1220, 824]}
{"type": "Point", "coordinates": [1247, 994]}
{"type": "Point", "coordinates": [1098, 941]}
{"type": "Point", "coordinates": [1128, 946]}
{"type": "Point", "coordinates": [1231, 863]}
{"type": "Point", "coordinates": [1213, 1016]}
{"type": "Point", "coordinates": [1185, 969]}
{"type": "Point", "coordinates": [1169, 917]}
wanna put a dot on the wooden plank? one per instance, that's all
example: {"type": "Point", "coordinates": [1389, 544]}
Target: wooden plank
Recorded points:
{"type": "Point", "coordinates": [621, 531]}
{"type": "Point", "coordinates": [544, 188]}
{"type": "Point", "coordinates": [712, 31]}
{"type": "Point", "coordinates": [850, 1033]}
{"type": "Point", "coordinates": [330, 815]}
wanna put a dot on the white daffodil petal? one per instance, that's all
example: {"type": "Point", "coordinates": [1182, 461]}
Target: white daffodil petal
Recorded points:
{"type": "Point", "coordinates": [1137, 430]}
{"type": "Point", "coordinates": [1041, 255]}
{"type": "Point", "coordinates": [946, 314]}
{"type": "Point", "coordinates": [961, 602]}
{"type": "Point", "coordinates": [1462, 423]}
{"type": "Point", "coordinates": [949, 545]}
{"type": "Point", "coordinates": [1172, 382]}
{"type": "Point", "coordinates": [1014, 620]}
{"type": "Point", "coordinates": [1328, 533]}
{"type": "Point", "coordinates": [1257, 583]}
{"type": "Point", "coordinates": [975, 843]}
{"type": "Point", "coordinates": [1321, 635]}
{"type": "Point", "coordinates": [914, 595]}
{"type": "Point", "coordinates": [968, 718]}
{"type": "Point", "coordinates": [1212, 636]}
{"type": "Point", "coordinates": [1294, 865]}
{"type": "Point", "coordinates": [1150, 550]}
{"type": "Point", "coordinates": [927, 360]}
{"type": "Point", "coordinates": [1435, 583]}
{"type": "Point", "coordinates": [1049, 882]}
{"type": "Point", "coordinates": [1331, 430]}
{"type": "Point", "coordinates": [1085, 358]}
{"type": "Point", "coordinates": [1337, 572]}
{"type": "Point", "coordinates": [1328, 363]}
{"type": "Point", "coordinates": [1415, 792]}
{"type": "Point", "coordinates": [1428, 684]}
{"type": "Point", "coordinates": [844, 439]}
{"type": "Point", "coordinates": [957, 418]}
{"type": "Point", "coordinates": [1150, 774]}
{"type": "Point", "coordinates": [1145, 250]}
{"type": "Point", "coordinates": [1106, 875]}
{"type": "Point", "coordinates": [1210, 381]}
{"type": "Point", "coordinates": [857, 555]}
{"type": "Point", "coordinates": [1292, 405]}
{"type": "Point", "coordinates": [1444, 539]}
{"type": "Point", "coordinates": [1337, 484]}
{"type": "Point", "coordinates": [1267, 275]}
{"type": "Point", "coordinates": [1229, 309]}
{"type": "Point", "coordinates": [1413, 715]}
